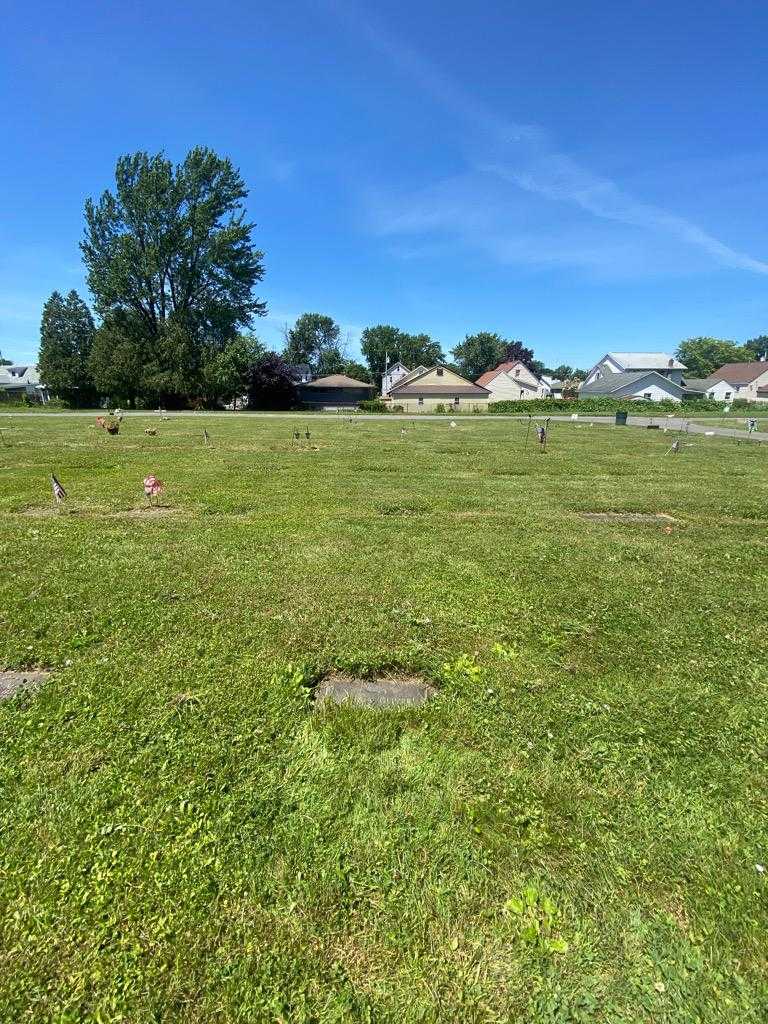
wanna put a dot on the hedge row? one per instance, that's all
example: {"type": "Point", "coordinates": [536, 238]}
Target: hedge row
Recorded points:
{"type": "Point", "coordinates": [608, 406]}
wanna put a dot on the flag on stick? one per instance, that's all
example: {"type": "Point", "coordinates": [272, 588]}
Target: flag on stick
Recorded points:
{"type": "Point", "coordinates": [59, 494]}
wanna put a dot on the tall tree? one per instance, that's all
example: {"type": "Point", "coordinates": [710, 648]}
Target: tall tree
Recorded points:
{"type": "Point", "coordinates": [5, 362]}
{"type": "Point", "coordinates": [517, 350]}
{"type": "Point", "coordinates": [171, 250]}
{"type": "Point", "coordinates": [384, 341]}
{"type": "Point", "coordinates": [314, 340]}
{"type": "Point", "coordinates": [66, 340]}
{"type": "Point", "coordinates": [227, 375]}
{"type": "Point", "coordinates": [703, 356]}
{"type": "Point", "coordinates": [562, 372]}
{"type": "Point", "coordinates": [117, 359]}
{"type": "Point", "coordinates": [757, 348]}
{"type": "Point", "coordinates": [478, 353]}
{"type": "Point", "coordinates": [357, 371]}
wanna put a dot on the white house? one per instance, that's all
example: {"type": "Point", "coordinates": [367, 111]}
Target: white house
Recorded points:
{"type": "Point", "coordinates": [638, 385]}
{"type": "Point", "coordinates": [512, 381]}
{"type": "Point", "coordinates": [661, 363]}
{"type": "Point", "coordinates": [739, 380]}
{"type": "Point", "coordinates": [555, 386]}
{"type": "Point", "coordinates": [393, 375]}
{"type": "Point", "coordinates": [23, 380]}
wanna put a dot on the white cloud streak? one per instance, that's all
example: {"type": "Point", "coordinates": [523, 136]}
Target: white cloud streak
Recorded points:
{"type": "Point", "coordinates": [523, 155]}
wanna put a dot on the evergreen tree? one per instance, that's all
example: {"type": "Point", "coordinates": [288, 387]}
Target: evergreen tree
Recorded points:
{"type": "Point", "coordinates": [66, 341]}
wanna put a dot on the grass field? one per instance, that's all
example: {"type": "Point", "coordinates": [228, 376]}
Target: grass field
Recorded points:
{"type": "Point", "coordinates": [571, 831]}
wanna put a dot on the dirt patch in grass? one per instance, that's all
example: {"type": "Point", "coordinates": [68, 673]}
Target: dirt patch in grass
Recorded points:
{"type": "Point", "coordinates": [377, 692]}
{"type": "Point", "coordinates": [654, 518]}
{"type": "Point", "coordinates": [12, 683]}
{"type": "Point", "coordinates": [148, 512]}
{"type": "Point", "coordinates": [143, 512]}
{"type": "Point", "coordinates": [47, 510]}
{"type": "Point", "coordinates": [402, 508]}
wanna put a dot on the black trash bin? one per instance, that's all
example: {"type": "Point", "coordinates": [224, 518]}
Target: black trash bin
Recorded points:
{"type": "Point", "coordinates": [621, 419]}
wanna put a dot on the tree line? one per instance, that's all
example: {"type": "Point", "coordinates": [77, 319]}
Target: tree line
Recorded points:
{"type": "Point", "coordinates": [172, 269]}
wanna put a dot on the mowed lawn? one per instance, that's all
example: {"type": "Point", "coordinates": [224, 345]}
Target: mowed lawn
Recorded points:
{"type": "Point", "coordinates": [573, 830]}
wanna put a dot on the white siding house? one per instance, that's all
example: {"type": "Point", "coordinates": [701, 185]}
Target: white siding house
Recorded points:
{"type": "Point", "coordinates": [634, 362]}
{"type": "Point", "coordinates": [512, 381]}
{"type": "Point", "coordinates": [740, 380]}
{"type": "Point", "coordinates": [393, 375]}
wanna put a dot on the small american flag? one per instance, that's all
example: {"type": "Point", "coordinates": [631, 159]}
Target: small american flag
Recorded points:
{"type": "Point", "coordinates": [59, 494]}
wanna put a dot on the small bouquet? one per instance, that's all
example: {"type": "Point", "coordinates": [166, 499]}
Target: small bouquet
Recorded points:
{"type": "Point", "coordinates": [153, 487]}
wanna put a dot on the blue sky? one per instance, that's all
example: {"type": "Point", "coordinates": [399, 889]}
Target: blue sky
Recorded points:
{"type": "Point", "coordinates": [585, 177]}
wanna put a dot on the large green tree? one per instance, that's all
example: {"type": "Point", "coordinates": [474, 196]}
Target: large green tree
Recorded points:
{"type": "Point", "coordinates": [478, 353]}
{"type": "Point", "coordinates": [314, 340]}
{"type": "Point", "coordinates": [66, 339]}
{"type": "Point", "coordinates": [117, 359]}
{"type": "Point", "coordinates": [384, 342]}
{"type": "Point", "coordinates": [703, 356]}
{"type": "Point", "coordinates": [171, 264]}
{"type": "Point", "coordinates": [227, 375]}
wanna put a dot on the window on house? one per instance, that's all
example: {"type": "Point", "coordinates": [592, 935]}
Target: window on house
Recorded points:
{"type": "Point", "coordinates": [517, 372]}
{"type": "Point", "coordinates": [727, 395]}
{"type": "Point", "coordinates": [647, 395]}
{"type": "Point", "coordinates": [439, 371]}
{"type": "Point", "coordinates": [456, 400]}
{"type": "Point", "coordinates": [421, 401]}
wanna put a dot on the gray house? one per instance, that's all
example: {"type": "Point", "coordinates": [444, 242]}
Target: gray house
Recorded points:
{"type": "Point", "coordinates": [638, 385]}
{"type": "Point", "coordinates": [334, 392]}
{"type": "Point", "coordinates": [19, 381]}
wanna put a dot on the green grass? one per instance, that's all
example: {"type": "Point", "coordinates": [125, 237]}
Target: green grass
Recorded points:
{"type": "Point", "coordinates": [568, 833]}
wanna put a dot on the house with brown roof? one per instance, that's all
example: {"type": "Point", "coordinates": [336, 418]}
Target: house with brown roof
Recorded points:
{"type": "Point", "coordinates": [512, 381]}
{"type": "Point", "coordinates": [739, 380]}
{"type": "Point", "coordinates": [427, 389]}
{"type": "Point", "coordinates": [336, 391]}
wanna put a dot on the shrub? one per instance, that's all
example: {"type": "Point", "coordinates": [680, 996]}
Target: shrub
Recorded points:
{"type": "Point", "coordinates": [608, 406]}
{"type": "Point", "coordinates": [372, 405]}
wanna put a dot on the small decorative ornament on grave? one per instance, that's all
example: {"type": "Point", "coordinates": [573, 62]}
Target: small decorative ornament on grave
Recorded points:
{"type": "Point", "coordinates": [153, 487]}
{"type": "Point", "coordinates": [206, 436]}
{"type": "Point", "coordinates": [453, 423]}
{"type": "Point", "coordinates": [151, 431]}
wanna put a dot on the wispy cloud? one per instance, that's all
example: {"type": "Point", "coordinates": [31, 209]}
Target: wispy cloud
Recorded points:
{"type": "Point", "coordinates": [525, 157]}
